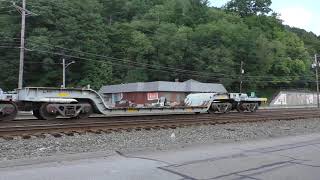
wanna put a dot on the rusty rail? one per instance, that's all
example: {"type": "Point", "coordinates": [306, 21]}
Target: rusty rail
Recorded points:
{"type": "Point", "coordinates": [28, 128]}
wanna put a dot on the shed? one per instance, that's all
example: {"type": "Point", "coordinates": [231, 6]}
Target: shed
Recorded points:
{"type": "Point", "coordinates": [144, 93]}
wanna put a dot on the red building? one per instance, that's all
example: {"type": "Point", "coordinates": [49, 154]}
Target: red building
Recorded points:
{"type": "Point", "coordinates": [148, 93]}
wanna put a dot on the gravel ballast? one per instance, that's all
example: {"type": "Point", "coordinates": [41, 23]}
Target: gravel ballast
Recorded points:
{"type": "Point", "coordinates": [153, 140]}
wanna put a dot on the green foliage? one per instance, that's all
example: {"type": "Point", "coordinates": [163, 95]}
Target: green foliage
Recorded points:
{"type": "Point", "coordinates": [100, 74]}
{"type": "Point", "coordinates": [249, 7]}
{"type": "Point", "coordinates": [148, 40]}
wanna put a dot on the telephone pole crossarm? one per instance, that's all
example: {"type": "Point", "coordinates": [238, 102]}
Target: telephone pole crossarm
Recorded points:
{"type": "Point", "coordinates": [21, 9]}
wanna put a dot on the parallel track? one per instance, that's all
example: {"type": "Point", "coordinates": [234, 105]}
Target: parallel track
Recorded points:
{"type": "Point", "coordinates": [27, 128]}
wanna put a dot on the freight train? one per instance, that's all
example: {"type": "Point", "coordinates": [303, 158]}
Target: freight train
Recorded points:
{"type": "Point", "coordinates": [49, 103]}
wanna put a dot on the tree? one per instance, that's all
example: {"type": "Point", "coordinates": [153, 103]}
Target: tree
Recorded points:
{"type": "Point", "coordinates": [100, 75]}
{"type": "Point", "coordinates": [75, 26]}
{"type": "Point", "coordinates": [249, 7]}
{"type": "Point", "coordinates": [118, 41]}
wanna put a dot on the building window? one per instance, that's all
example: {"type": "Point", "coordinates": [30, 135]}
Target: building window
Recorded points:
{"type": "Point", "coordinates": [153, 96]}
{"type": "Point", "coordinates": [117, 97]}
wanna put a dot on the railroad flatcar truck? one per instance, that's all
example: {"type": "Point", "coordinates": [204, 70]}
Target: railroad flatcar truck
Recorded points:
{"type": "Point", "coordinates": [225, 102]}
{"type": "Point", "coordinates": [8, 107]}
{"type": "Point", "coordinates": [49, 103]}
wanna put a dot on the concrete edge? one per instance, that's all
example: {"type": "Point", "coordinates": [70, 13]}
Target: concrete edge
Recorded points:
{"type": "Point", "coordinates": [67, 157]}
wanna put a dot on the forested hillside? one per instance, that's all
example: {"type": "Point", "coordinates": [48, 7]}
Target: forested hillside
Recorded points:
{"type": "Point", "coordinates": [118, 41]}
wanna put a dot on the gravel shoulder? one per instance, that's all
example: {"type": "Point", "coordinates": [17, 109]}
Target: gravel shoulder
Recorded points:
{"type": "Point", "coordinates": [153, 140]}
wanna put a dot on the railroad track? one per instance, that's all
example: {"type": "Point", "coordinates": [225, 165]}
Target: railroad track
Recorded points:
{"type": "Point", "coordinates": [28, 128]}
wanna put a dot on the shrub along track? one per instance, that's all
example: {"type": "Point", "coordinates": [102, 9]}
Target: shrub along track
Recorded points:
{"type": "Point", "coordinates": [59, 127]}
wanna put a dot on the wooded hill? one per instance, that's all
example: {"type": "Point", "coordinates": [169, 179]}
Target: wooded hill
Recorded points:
{"type": "Point", "coordinates": [118, 41]}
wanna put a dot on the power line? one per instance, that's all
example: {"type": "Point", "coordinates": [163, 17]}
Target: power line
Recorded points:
{"type": "Point", "coordinates": [99, 61]}
{"type": "Point", "coordinates": [5, 7]}
{"type": "Point", "coordinates": [128, 61]}
{"type": "Point", "coordinates": [17, 43]}
{"type": "Point", "coordinates": [167, 69]}
{"type": "Point", "coordinates": [144, 64]}
{"type": "Point", "coordinates": [32, 62]}
{"type": "Point", "coordinates": [4, 46]}
{"type": "Point", "coordinates": [4, 40]}
{"type": "Point", "coordinates": [119, 64]}
{"type": "Point", "coordinates": [10, 1]}
{"type": "Point", "coordinates": [9, 43]}
{"type": "Point", "coordinates": [9, 38]}
{"type": "Point", "coordinates": [233, 79]}
{"type": "Point", "coordinates": [8, 11]}
{"type": "Point", "coordinates": [9, 16]}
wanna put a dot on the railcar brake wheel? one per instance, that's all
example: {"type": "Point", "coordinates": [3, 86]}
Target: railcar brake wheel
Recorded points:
{"type": "Point", "coordinates": [45, 114]}
{"type": "Point", "coordinates": [11, 111]}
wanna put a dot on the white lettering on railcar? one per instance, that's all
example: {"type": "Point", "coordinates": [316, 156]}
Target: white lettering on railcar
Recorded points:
{"type": "Point", "coordinates": [281, 100]}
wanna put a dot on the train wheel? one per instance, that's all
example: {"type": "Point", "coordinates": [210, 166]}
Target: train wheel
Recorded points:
{"type": "Point", "coordinates": [47, 112]}
{"type": "Point", "coordinates": [220, 108]}
{"type": "Point", "coordinates": [229, 108]}
{"type": "Point", "coordinates": [211, 111]}
{"type": "Point", "coordinates": [36, 113]}
{"type": "Point", "coordinates": [9, 111]}
{"type": "Point", "coordinates": [225, 108]}
{"type": "Point", "coordinates": [87, 111]}
{"type": "Point", "coordinates": [253, 107]}
{"type": "Point", "coordinates": [240, 108]}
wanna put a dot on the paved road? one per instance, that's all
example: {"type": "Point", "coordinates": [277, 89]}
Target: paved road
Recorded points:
{"type": "Point", "coordinates": [284, 158]}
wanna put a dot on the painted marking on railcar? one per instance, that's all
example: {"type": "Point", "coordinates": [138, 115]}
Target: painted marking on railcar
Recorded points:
{"type": "Point", "coordinates": [189, 110]}
{"type": "Point", "coordinates": [63, 95]}
{"type": "Point", "coordinates": [132, 110]}
{"type": "Point", "coordinates": [221, 97]}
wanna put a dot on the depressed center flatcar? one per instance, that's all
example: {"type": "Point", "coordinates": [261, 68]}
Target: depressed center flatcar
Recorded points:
{"type": "Point", "coordinates": [49, 103]}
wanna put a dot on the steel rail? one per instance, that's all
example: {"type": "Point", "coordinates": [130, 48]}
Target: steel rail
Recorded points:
{"type": "Point", "coordinates": [98, 125]}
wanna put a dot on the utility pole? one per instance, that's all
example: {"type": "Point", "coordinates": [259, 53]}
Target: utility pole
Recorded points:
{"type": "Point", "coordinates": [24, 12]}
{"type": "Point", "coordinates": [64, 67]}
{"type": "Point", "coordinates": [316, 61]}
{"type": "Point", "coordinates": [110, 20]}
{"type": "Point", "coordinates": [63, 73]}
{"type": "Point", "coordinates": [241, 76]}
{"type": "Point", "coordinates": [23, 27]}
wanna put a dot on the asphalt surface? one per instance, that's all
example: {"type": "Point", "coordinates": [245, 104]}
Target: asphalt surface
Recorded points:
{"type": "Point", "coordinates": [282, 158]}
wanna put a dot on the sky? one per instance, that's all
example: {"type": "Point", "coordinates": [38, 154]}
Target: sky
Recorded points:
{"type": "Point", "coordinates": [304, 14]}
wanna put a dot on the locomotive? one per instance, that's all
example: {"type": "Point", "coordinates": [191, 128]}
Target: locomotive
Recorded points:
{"type": "Point", "coordinates": [49, 103]}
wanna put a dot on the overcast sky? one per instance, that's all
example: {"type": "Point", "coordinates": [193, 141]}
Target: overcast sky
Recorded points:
{"type": "Point", "coordinates": [303, 14]}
